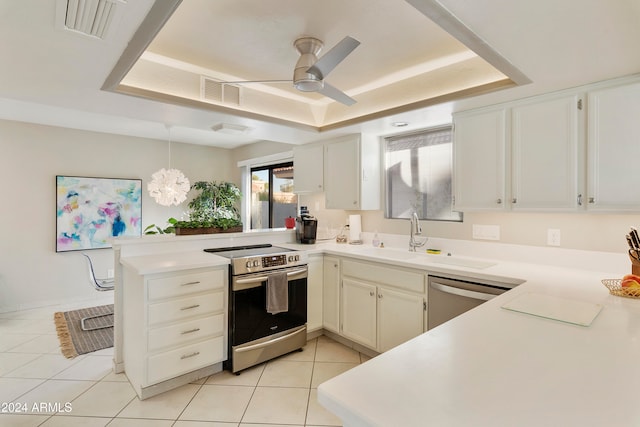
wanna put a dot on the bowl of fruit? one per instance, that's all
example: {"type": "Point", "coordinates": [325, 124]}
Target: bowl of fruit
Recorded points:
{"type": "Point", "coordinates": [628, 286]}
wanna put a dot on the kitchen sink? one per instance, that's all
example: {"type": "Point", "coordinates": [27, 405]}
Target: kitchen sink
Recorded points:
{"type": "Point", "coordinates": [386, 253]}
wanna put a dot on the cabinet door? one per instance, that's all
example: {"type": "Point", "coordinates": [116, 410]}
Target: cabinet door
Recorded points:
{"type": "Point", "coordinates": [314, 293]}
{"type": "Point", "coordinates": [613, 149]}
{"type": "Point", "coordinates": [308, 171]}
{"type": "Point", "coordinates": [545, 144]}
{"type": "Point", "coordinates": [400, 317]}
{"type": "Point", "coordinates": [331, 294]}
{"type": "Point", "coordinates": [479, 161]}
{"type": "Point", "coordinates": [342, 177]}
{"type": "Point", "coordinates": [359, 312]}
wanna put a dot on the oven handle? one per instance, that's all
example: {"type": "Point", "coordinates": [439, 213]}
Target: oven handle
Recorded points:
{"type": "Point", "coordinates": [302, 329]}
{"type": "Point", "coordinates": [257, 280]}
{"type": "Point", "coordinates": [462, 292]}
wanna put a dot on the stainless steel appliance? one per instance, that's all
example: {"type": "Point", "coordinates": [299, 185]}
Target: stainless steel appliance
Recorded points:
{"type": "Point", "coordinates": [450, 297]}
{"type": "Point", "coordinates": [255, 335]}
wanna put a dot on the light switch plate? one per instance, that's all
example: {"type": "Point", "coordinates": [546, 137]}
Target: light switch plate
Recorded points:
{"type": "Point", "coordinates": [486, 232]}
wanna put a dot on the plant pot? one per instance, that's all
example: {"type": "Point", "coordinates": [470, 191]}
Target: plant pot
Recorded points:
{"type": "Point", "coordinates": [206, 230]}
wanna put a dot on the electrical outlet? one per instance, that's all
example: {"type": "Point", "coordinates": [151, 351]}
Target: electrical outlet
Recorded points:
{"type": "Point", "coordinates": [553, 237]}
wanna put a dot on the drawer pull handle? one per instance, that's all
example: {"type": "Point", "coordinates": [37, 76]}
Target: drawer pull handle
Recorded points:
{"type": "Point", "coordinates": [186, 356]}
{"type": "Point", "coordinates": [190, 331]}
{"type": "Point", "coordinates": [190, 283]}
{"type": "Point", "coordinates": [190, 307]}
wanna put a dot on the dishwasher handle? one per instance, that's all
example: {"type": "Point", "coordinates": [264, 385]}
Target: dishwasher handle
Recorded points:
{"type": "Point", "coordinates": [462, 292]}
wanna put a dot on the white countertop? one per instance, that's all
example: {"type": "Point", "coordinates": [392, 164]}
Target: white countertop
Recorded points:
{"type": "Point", "coordinates": [495, 367]}
{"type": "Point", "coordinates": [167, 262]}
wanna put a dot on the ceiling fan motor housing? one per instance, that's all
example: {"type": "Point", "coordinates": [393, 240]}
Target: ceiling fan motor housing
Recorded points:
{"type": "Point", "coordinates": [309, 48]}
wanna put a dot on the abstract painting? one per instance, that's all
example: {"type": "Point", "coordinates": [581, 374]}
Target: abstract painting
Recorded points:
{"type": "Point", "coordinates": [91, 211]}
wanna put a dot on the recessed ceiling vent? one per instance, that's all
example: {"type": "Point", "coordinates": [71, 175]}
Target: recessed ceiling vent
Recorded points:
{"type": "Point", "coordinates": [90, 17]}
{"type": "Point", "coordinates": [215, 91]}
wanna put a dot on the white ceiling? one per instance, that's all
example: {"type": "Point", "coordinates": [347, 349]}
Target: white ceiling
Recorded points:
{"type": "Point", "coordinates": [54, 76]}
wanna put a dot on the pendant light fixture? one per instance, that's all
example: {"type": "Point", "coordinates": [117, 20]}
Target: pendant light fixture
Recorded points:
{"type": "Point", "coordinates": [168, 186]}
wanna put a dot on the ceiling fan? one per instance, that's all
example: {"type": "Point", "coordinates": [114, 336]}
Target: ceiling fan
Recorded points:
{"type": "Point", "coordinates": [310, 72]}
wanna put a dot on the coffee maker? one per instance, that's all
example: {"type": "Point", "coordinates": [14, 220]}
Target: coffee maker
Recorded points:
{"type": "Point", "coordinates": [306, 227]}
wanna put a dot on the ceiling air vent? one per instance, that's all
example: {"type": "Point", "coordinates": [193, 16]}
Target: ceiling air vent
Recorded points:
{"type": "Point", "coordinates": [214, 91]}
{"type": "Point", "coordinates": [90, 17]}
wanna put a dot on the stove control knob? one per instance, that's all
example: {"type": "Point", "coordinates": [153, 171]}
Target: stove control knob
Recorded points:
{"type": "Point", "coordinates": [248, 264]}
{"type": "Point", "coordinates": [291, 259]}
{"type": "Point", "coordinates": [297, 257]}
{"type": "Point", "coordinates": [255, 263]}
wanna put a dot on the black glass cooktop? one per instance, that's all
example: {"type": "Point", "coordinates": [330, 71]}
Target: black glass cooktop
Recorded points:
{"type": "Point", "coordinates": [247, 251]}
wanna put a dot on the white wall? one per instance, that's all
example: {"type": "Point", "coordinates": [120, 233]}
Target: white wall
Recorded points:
{"type": "Point", "coordinates": [32, 274]}
{"type": "Point", "coordinates": [593, 232]}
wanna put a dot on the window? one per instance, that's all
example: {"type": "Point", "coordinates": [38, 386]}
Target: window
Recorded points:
{"type": "Point", "coordinates": [418, 169]}
{"type": "Point", "coordinates": [272, 197]}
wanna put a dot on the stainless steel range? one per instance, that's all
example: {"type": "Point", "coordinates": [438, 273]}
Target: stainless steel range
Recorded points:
{"type": "Point", "coordinates": [267, 303]}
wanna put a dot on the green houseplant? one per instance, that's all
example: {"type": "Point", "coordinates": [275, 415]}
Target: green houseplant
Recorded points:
{"type": "Point", "coordinates": [213, 210]}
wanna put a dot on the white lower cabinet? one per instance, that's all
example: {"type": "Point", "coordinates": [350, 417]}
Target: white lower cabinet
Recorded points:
{"type": "Point", "coordinates": [314, 292]}
{"type": "Point", "coordinates": [331, 294]}
{"type": "Point", "coordinates": [359, 312]}
{"type": "Point", "coordinates": [382, 307]}
{"type": "Point", "coordinates": [176, 327]}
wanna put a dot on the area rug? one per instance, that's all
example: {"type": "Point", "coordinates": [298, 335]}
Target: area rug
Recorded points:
{"type": "Point", "coordinates": [74, 341]}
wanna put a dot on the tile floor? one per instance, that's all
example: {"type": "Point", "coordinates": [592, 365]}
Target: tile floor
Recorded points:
{"type": "Point", "coordinates": [84, 391]}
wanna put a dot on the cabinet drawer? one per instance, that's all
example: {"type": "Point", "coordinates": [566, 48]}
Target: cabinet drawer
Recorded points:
{"type": "Point", "coordinates": [183, 308]}
{"type": "Point", "coordinates": [173, 363]}
{"type": "Point", "coordinates": [184, 284]}
{"type": "Point", "coordinates": [183, 332]}
{"type": "Point", "coordinates": [409, 280]}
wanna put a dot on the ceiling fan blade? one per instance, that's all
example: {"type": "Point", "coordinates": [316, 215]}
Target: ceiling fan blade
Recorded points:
{"type": "Point", "coordinates": [239, 82]}
{"type": "Point", "coordinates": [333, 57]}
{"type": "Point", "coordinates": [336, 95]}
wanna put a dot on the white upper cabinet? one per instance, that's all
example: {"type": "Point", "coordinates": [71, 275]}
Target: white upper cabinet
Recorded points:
{"type": "Point", "coordinates": [546, 139]}
{"type": "Point", "coordinates": [308, 171]}
{"type": "Point", "coordinates": [479, 160]}
{"type": "Point", "coordinates": [614, 148]}
{"type": "Point", "coordinates": [352, 173]}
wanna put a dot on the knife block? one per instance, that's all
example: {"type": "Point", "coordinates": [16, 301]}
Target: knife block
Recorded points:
{"type": "Point", "coordinates": [635, 266]}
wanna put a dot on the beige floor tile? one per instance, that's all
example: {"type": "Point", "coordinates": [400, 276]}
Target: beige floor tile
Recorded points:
{"type": "Point", "coordinates": [284, 373]}
{"type": "Point", "coordinates": [12, 388]}
{"type": "Point", "coordinates": [307, 354]}
{"type": "Point", "coordinates": [112, 376]}
{"type": "Point", "coordinates": [270, 425]}
{"type": "Point", "coordinates": [40, 344]}
{"type": "Point", "coordinates": [317, 415]}
{"type": "Point", "coordinates": [218, 403]}
{"type": "Point", "coordinates": [136, 422]}
{"type": "Point", "coordinates": [52, 395]}
{"type": "Point", "coordinates": [105, 399]}
{"type": "Point", "coordinates": [22, 420]}
{"type": "Point", "coordinates": [92, 368]}
{"type": "Point", "coordinates": [209, 424]}
{"type": "Point", "coordinates": [248, 377]}
{"type": "Point", "coordinates": [10, 341]}
{"type": "Point", "coordinates": [323, 371]}
{"type": "Point", "coordinates": [45, 366]}
{"type": "Point", "coordinates": [277, 405]}
{"type": "Point", "coordinates": [331, 351]}
{"type": "Point", "coordinates": [166, 405]}
{"type": "Point", "coordinates": [67, 421]}
{"type": "Point", "coordinates": [12, 361]}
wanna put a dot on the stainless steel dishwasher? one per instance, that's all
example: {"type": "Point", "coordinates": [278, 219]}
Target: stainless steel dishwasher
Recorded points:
{"type": "Point", "coordinates": [449, 297]}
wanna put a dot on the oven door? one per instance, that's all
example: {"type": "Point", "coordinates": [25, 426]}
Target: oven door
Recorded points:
{"type": "Point", "coordinates": [249, 319]}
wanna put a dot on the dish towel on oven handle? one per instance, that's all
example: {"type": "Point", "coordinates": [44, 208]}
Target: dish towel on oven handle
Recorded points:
{"type": "Point", "coordinates": [277, 293]}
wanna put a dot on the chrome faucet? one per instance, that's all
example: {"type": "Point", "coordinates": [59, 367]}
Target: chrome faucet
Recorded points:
{"type": "Point", "coordinates": [416, 230]}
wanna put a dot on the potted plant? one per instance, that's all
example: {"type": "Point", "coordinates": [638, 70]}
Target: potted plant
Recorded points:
{"type": "Point", "coordinates": [213, 210]}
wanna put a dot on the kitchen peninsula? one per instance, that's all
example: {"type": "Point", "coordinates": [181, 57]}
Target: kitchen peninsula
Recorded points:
{"type": "Point", "coordinates": [489, 366]}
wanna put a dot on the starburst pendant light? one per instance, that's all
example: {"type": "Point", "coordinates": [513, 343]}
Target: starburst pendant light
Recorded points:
{"type": "Point", "coordinates": [168, 186]}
